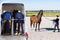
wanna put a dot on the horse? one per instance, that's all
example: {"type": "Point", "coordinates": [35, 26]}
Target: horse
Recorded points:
{"type": "Point", "coordinates": [36, 20]}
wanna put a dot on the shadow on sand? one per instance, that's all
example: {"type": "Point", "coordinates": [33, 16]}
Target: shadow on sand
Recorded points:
{"type": "Point", "coordinates": [49, 29]}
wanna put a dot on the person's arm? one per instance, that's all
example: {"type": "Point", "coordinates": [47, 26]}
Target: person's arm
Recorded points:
{"type": "Point", "coordinates": [53, 20]}
{"type": "Point", "coordinates": [23, 16]}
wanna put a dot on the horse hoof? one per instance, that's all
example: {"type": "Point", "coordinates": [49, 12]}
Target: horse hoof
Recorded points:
{"type": "Point", "coordinates": [38, 29]}
{"type": "Point", "coordinates": [53, 31]}
{"type": "Point", "coordinates": [58, 31]}
{"type": "Point", "coordinates": [35, 30]}
{"type": "Point", "coordinates": [31, 27]}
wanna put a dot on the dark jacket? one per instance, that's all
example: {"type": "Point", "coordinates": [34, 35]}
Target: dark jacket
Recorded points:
{"type": "Point", "coordinates": [56, 21]}
{"type": "Point", "coordinates": [19, 15]}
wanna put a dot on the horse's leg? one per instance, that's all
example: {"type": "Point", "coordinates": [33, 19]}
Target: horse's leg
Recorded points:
{"type": "Point", "coordinates": [36, 27]}
{"type": "Point", "coordinates": [39, 26]}
{"type": "Point", "coordinates": [31, 24]}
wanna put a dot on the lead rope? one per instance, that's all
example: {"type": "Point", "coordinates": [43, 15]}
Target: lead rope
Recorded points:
{"type": "Point", "coordinates": [49, 19]}
{"type": "Point", "coordinates": [46, 18]}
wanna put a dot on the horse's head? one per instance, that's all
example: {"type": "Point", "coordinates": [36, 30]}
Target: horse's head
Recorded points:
{"type": "Point", "coordinates": [40, 14]}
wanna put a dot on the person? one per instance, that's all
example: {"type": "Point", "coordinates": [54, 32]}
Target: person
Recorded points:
{"type": "Point", "coordinates": [7, 22]}
{"type": "Point", "coordinates": [2, 24]}
{"type": "Point", "coordinates": [56, 21]}
{"type": "Point", "coordinates": [20, 20]}
{"type": "Point", "coordinates": [14, 21]}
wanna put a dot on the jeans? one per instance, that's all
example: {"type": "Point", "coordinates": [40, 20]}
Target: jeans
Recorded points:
{"type": "Point", "coordinates": [20, 25]}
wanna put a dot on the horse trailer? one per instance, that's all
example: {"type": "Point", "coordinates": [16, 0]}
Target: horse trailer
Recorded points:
{"type": "Point", "coordinates": [10, 7]}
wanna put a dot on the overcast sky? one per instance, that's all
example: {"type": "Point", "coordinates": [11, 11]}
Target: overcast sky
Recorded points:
{"type": "Point", "coordinates": [38, 4]}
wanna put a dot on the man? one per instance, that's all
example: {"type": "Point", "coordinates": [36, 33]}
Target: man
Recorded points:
{"type": "Point", "coordinates": [2, 24]}
{"type": "Point", "coordinates": [15, 21]}
{"type": "Point", "coordinates": [56, 23]}
{"type": "Point", "coordinates": [7, 22]}
{"type": "Point", "coordinates": [20, 20]}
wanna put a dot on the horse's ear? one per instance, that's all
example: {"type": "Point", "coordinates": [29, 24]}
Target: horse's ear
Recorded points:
{"type": "Point", "coordinates": [41, 10]}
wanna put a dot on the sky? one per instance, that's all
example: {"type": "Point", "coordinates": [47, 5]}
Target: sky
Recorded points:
{"type": "Point", "coordinates": [38, 4]}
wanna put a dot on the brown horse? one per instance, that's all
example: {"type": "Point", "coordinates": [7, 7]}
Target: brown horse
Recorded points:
{"type": "Point", "coordinates": [36, 20]}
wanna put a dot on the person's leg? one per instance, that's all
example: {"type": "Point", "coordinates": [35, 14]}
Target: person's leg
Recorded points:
{"type": "Point", "coordinates": [2, 29]}
{"type": "Point", "coordinates": [58, 27]}
{"type": "Point", "coordinates": [18, 26]}
{"type": "Point", "coordinates": [22, 22]}
{"type": "Point", "coordinates": [7, 27]}
{"type": "Point", "coordinates": [14, 27]}
{"type": "Point", "coordinates": [54, 28]}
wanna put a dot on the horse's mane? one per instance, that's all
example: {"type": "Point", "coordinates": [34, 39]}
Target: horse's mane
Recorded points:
{"type": "Point", "coordinates": [40, 13]}
{"type": "Point", "coordinates": [33, 15]}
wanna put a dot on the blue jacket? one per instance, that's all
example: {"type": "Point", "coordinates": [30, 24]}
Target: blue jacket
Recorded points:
{"type": "Point", "coordinates": [2, 16]}
{"type": "Point", "coordinates": [7, 15]}
{"type": "Point", "coordinates": [2, 21]}
{"type": "Point", "coordinates": [19, 15]}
